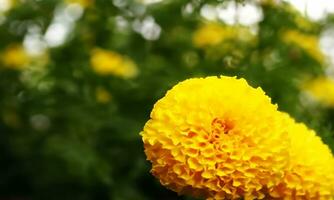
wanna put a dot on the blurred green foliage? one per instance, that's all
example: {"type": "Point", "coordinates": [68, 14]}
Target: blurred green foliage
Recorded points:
{"type": "Point", "coordinates": [67, 132]}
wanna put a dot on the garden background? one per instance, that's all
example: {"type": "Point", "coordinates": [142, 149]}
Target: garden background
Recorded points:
{"type": "Point", "coordinates": [78, 79]}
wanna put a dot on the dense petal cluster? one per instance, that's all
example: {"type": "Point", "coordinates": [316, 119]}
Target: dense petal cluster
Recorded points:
{"type": "Point", "coordinates": [219, 138]}
{"type": "Point", "coordinates": [310, 173]}
{"type": "Point", "coordinates": [322, 89]}
{"type": "Point", "coordinates": [106, 62]}
{"type": "Point", "coordinates": [308, 43]}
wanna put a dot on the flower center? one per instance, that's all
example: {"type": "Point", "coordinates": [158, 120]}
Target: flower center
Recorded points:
{"type": "Point", "coordinates": [219, 127]}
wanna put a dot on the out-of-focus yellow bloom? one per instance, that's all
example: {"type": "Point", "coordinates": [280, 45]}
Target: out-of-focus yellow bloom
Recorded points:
{"type": "Point", "coordinates": [219, 138]}
{"type": "Point", "coordinates": [322, 89]}
{"type": "Point", "coordinates": [82, 3]}
{"type": "Point", "coordinates": [213, 34]}
{"type": "Point", "coordinates": [308, 43]}
{"type": "Point", "coordinates": [102, 95]}
{"type": "Point", "coordinates": [15, 57]}
{"type": "Point", "coordinates": [106, 62]}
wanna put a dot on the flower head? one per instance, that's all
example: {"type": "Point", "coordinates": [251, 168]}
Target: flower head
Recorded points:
{"type": "Point", "coordinates": [216, 137]}
{"type": "Point", "coordinates": [310, 173]}
{"type": "Point", "coordinates": [219, 138]}
{"type": "Point", "coordinates": [106, 62]}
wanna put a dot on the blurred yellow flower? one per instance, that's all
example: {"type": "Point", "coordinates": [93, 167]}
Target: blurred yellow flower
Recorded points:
{"type": "Point", "coordinates": [322, 89]}
{"type": "Point", "coordinates": [213, 34]}
{"type": "Point", "coordinates": [106, 62]}
{"type": "Point", "coordinates": [219, 138]}
{"type": "Point", "coordinates": [308, 43]}
{"type": "Point", "coordinates": [15, 57]}
{"type": "Point", "coordinates": [102, 95]}
{"type": "Point", "coordinates": [82, 3]}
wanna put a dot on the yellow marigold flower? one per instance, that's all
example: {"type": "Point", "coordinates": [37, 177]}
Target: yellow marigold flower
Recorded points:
{"type": "Point", "coordinates": [322, 89]}
{"type": "Point", "coordinates": [219, 138]}
{"type": "Point", "coordinates": [213, 34]}
{"type": "Point", "coordinates": [308, 43]}
{"type": "Point", "coordinates": [102, 95]}
{"type": "Point", "coordinates": [216, 138]}
{"type": "Point", "coordinates": [15, 57]}
{"type": "Point", "coordinates": [106, 62]}
{"type": "Point", "coordinates": [310, 173]}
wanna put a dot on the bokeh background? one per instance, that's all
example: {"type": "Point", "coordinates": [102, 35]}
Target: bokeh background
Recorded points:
{"type": "Point", "coordinates": [78, 79]}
